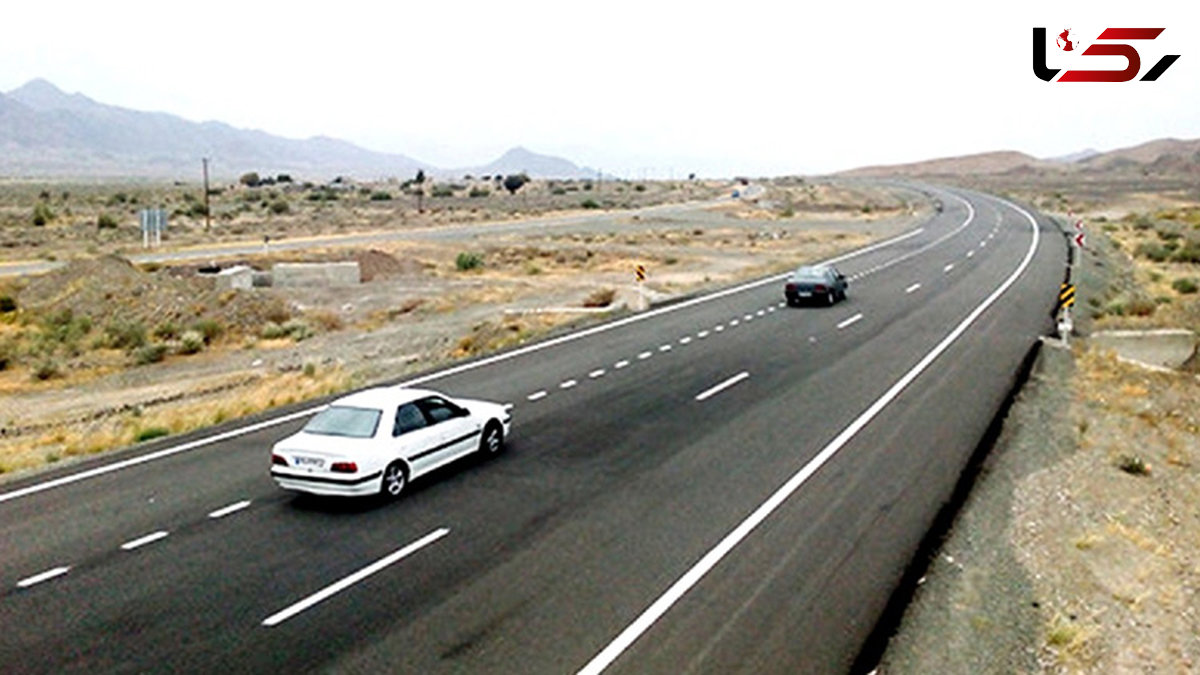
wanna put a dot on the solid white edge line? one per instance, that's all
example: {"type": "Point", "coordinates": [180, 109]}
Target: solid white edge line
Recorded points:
{"type": "Point", "coordinates": [659, 607]}
{"type": "Point", "coordinates": [912, 288]}
{"type": "Point", "coordinates": [537, 395]}
{"type": "Point", "coordinates": [44, 576]}
{"type": "Point", "coordinates": [336, 587]}
{"type": "Point", "coordinates": [851, 321]}
{"type": "Point", "coordinates": [134, 461]}
{"type": "Point", "coordinates": [713, 391]}
{"type": "Point", "coordinates": [142, 541]}
{"type": "Point", "coordinates": [232, 508]}
{"type": "Point", "coordinates": [571, 337]}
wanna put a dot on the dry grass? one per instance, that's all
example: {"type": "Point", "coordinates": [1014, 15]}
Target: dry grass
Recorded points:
{"type": "Point", "coordinates": [91, 438]}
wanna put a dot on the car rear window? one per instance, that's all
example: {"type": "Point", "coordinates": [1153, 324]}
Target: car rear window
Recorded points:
{"type": "Point", "coordinates": [345, 421]}
{"type": "Point", "coordinates": [809, 273]}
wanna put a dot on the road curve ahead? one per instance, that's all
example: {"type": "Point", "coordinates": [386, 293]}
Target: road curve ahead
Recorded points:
{"type": "Point", "coordinates": [723, 485]}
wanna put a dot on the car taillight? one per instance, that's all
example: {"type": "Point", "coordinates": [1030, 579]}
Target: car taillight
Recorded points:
{"type": "Point", "coordinates": [277, 459]}
{"type": "Point", "coordinates": [820, 288]}
{"type": "Point", "coordinates": [791, 288]}
{"type": "Point", "coordinates": [343, 467]}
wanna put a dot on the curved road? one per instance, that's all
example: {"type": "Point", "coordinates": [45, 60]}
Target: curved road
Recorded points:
{"type": "Point", "coordinates": [722, 485]}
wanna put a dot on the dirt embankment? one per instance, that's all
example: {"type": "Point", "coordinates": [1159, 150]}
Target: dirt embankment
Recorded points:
{"type": "Point", "coordinates": [1078, 548]}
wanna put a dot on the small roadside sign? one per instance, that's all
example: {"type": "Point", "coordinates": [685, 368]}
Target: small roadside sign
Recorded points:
{"type": "Point", "coordinates": [640, 271]}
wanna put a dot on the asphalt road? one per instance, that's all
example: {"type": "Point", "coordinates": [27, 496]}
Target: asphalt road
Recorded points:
{"type": "Point", "coordinates": [722, 485]}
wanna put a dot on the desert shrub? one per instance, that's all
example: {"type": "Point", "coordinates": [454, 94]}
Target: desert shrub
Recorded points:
{"type": "Point", "coordinates": [105, 221]}
{"type": "Point", "coordinates": [1188, 253]}
{"type": "Point", "coordinates": [442, 191]}
{"type": "Point", "coordinates": [211, 329]}
{"type": "Point", "coordinates": [1185, 286]}
{"type": "Point", "coordinates": [1152, 251]}
{"type": "Point", "coordinates": [125, 334]}
{"type": "Point", "coordinates": [272, 331]}
{"type": "Point", "coordinates": [150, 433]}
{"type": "Point", "coordinates": [250, 179]}
{"type": "Point", "coordinates": [8, 353]}
{"type": "Point", "coordinates": [64, 327]}
{"type": "Point", "coordinates": [1140, 307]}
{"type": "Point", "coordinates": [279, 207]}
{"type": "Point", "coordinates": [42, 214]}
{"type": "Point", "coordinates": [601, 297]}
{"type": "Point", "coordinates": [1169, 235]}
{"type": "Point", "coordinates": [1142, 222]}
{"type": "Point", "coordinates": [639, 187]}
{"type": "Point", "coordinates": [515, 182]}
{"type": "Point", "coordinates": [191, 342]}
{"type": "Point", "coordinates": [166, 330]}
{"type": "Point", "coordinates": [46, 369]}
{"type": "Point", "coordinates": [381, 196]}
{"type": "Point", "coordinates": [478, 192]}
{"type": "Point", "coordinates": [1133, 465]}
{"type": "Point", "coordinates": [297, 329]}
{"type": "Point", "coordinates": [558, 191]}
{"type": "Point", "coordinates": [589, 204]}
{"type": "Point", "coordinates": [149, 353]}
{"type": "Point", "coordinates": [197, 210]}
{"type": "Point", "coordinates": [7, 304]}
{"type": "Point", "coordinates": [328, 321]}
{"type": "Point", "coordinates": [466, 262]}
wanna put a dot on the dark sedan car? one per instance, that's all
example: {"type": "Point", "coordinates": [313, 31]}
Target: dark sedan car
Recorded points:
{"type": "Point", "coordinates": [821, 284]}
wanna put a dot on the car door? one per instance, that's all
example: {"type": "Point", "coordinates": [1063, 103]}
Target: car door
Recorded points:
{"type": "Point", "coordinates": [414, 439]}
{"type": "Point", "coordinates": [457, 433]}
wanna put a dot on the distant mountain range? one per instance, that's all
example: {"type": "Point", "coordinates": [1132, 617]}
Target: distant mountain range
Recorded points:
{"type": "Point", "coordinates": [45, 132]}
{"type": "Point", "coordinates": [1166, 156]}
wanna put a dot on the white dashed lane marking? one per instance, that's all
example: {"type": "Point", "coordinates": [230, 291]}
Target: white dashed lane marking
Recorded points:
{"type": "Point", "coordinates": [664, 348]}
{"type": "Point", "coordinates": [702, 334]}
{"type": "Point", "coordinates": [44, 576]}
{"type": "Point", "coordinates": [913, 288]}
{"type": "Point", "coordinates": [232, 508]}
{"type": "Point", "coordinates": [599, 372]}
{"type": "Point", "coordinates": [142, 541]}
{"type": "Point", "coordinates": [644, 355]}
{"type": "Point", "coordinates": [850, 322]}
{"type": "Point", "coordinates": [568, 384]}
{"type": "Point", "coordinates": [713, 391]}
{"type": "Point", "coordinates": [536, 395]}
{"type": "Point", "coordinates": [949, 267]}
{"type": "Point", "coordinates": [685, 340]}
{"type": "Point", "coordinates": [620, 364]}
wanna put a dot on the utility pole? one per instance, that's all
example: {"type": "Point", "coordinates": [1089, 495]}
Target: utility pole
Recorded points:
{"type": "Point", "coordinates": [207, 210]}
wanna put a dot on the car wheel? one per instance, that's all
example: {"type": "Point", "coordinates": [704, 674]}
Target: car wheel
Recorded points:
{"type": "Point", "coordinates": [492, 441]}
{"type": "Point", "coordinates": [395, 479]}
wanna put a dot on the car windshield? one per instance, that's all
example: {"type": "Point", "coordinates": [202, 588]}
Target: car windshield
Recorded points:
{"type": "Point", "coordinates": [345, 421]}
{"type": "Point", "coordinates": [809, 273]}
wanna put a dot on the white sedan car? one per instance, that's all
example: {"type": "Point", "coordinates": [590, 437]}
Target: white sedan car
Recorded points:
{"type": "Point", "coordinates": [376, 441]}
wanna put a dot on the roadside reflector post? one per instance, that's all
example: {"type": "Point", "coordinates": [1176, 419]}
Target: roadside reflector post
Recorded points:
{"type": "Point", "coordinates": [640, 274]}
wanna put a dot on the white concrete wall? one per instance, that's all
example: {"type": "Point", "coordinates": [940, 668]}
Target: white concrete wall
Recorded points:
{"type": "Point", "coordinates": [316, 274]}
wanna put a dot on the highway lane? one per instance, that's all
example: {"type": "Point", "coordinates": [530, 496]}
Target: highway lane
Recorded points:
{"type": "Point", "coordinates": [611, 489]}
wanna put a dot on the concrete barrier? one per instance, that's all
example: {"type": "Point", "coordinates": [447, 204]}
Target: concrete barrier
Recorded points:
{"type": "Point", "coordinates": [236, 277]}
{"type": "Point", "coordinates": [289, 275]}
{"type": "Point", "coordinates": [1166, 348]}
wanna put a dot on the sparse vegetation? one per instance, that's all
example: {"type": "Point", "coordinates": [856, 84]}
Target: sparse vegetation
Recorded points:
{"type": "Point", "coordinates": [466, 261]}
{"type": "Point", "coordinates": [150, 433]}
{"type": "Point", "coordinates": [1185, 286]}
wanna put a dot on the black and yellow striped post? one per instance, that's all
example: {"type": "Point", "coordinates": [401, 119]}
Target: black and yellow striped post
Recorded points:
{"type": "Point", "coordinates": [640, 271]}
{"type": "Point", "coordinates": [1066, 296]}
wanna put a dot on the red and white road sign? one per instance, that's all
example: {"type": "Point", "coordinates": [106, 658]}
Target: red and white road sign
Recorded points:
{"type": "Point", "coordinates": [1079, 239]}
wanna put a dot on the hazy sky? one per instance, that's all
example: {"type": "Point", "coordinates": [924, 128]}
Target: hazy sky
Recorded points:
{"type": "Point", "coordinates": [630, 87]}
